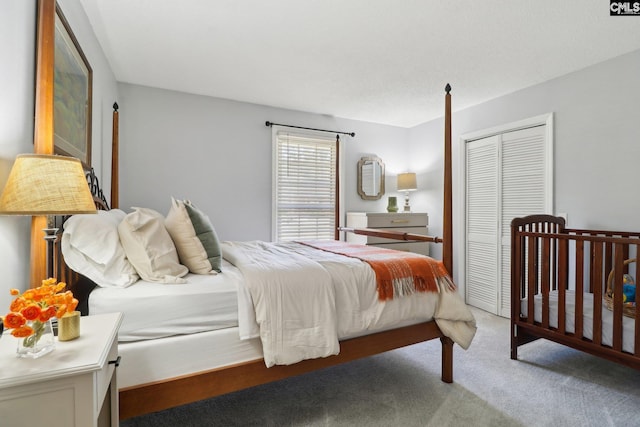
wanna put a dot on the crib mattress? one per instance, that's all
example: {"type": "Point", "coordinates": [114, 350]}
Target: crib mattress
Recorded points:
{"type": "Point", "coordinates": [607, 318]}
{"type": "Point", "coordinates": [155, 310]}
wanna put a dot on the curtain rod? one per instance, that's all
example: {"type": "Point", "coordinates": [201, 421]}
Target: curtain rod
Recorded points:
{"type": "Point", "coordinates": [269, 124]}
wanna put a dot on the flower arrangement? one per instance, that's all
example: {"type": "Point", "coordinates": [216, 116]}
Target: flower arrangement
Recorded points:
{"type": "Point", "coordinates": [30, 310]}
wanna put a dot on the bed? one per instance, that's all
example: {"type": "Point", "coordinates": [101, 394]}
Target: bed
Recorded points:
{"type": "Point", "coordinates": [567, 287]}
{"type": "Point", "coordinates": [168, 361]}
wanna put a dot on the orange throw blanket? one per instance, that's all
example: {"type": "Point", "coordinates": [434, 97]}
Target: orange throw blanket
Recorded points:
{"type": "Point", "coordinates": [397, 273]}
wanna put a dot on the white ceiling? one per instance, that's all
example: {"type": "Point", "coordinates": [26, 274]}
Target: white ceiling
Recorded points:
{"type": "Point", "coordinates": [383, 61]}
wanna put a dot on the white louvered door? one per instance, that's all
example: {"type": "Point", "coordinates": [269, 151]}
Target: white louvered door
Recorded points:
{"type": "Point", "coordinates": [482, 223]}
{"type": "Point", "coordinates": [523, 193]}
{"type": "Point", "coordinates": [507, 176]}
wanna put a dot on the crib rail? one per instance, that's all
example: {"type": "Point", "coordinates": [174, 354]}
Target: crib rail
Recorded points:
{"type": "Point", "coordinates": [549, 262]}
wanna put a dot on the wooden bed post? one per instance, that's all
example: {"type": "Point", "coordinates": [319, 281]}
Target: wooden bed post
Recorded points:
{"type": "Point", "coordinates": [447, 359]}
{"type": "Point", "coordinates": [115, 145]}
{"type": "Point", "coordinates": [447, 216]}
{"type": "Point", "coordinates": [447, 230]}
{"type": "Point", "coordinates": [336, 233]}
{"type": "Point", "coordinates": [43, 125]}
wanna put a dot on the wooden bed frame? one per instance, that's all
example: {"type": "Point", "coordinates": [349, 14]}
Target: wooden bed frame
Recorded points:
{"type": "Point", "coordinates": [546, 257]}
{"type": "Point", "coordinates": [156, 396]}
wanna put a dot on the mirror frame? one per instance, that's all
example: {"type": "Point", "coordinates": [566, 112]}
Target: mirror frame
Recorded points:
{"type": "Point", "coordinates": [361, 163]}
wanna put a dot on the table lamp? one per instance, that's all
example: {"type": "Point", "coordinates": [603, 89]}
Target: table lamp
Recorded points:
{"type": "Point", "coordinates": [41, 184]}
{"type": "Point", "coordinates": [407, 183]}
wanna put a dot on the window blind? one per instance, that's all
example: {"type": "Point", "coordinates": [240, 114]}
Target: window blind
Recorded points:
{"type": "Point", "coordinates": [305, 177]}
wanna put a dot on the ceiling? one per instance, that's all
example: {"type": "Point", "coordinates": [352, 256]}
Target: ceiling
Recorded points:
{"type": "Point", "coordinates": [382, 61]}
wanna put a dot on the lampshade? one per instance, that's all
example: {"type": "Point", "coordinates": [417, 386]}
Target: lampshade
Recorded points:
{"type": "Point", "coordinates": [42, 184]}
{"type": "Point", "coordinates": [407, 181]}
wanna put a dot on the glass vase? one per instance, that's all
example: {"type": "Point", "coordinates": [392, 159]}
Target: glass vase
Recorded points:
{"type": "Point", "coordinates": [39, 343]}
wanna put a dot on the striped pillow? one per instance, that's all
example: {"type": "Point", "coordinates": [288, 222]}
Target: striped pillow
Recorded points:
{"type": "Point", "coordinates": [194, 237]}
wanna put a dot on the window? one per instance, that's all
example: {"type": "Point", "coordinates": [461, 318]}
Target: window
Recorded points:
{"type": "Point", "coordinates": [305, 186]}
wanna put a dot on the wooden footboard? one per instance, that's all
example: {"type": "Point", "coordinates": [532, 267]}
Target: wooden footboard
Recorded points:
{"type": "Point", "coordinates": [558, 284]}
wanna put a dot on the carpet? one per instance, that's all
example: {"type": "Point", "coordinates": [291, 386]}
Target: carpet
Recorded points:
{"type": "Point", "coordinates": [551, 385]}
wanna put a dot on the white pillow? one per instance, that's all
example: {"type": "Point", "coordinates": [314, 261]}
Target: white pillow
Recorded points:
{"type": "Point", "coordinates": [91, 246]}
{"type": "Point", "coordinates": [195, 238]}
{"type": "Point", "coordinates": [149, 247]}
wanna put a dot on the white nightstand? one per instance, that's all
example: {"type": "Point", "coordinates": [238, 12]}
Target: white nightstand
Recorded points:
{"type": "Point", "coordinates": [414, 223]}
{"type": "Point", "coordinates": [75, 385]}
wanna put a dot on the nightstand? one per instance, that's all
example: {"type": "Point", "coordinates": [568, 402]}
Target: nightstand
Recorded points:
{"type": "Point", "coordinates": [413, 222]}
{"type": "Point", "coordinates": [74, 385]}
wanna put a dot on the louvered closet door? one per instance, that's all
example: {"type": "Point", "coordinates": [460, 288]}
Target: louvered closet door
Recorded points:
{"type": "Point", "coordinates": [523, 193]}
{"type": "Point", "coordinates": [506, 177]}
{"type": "Point", "coordinates": [482, 223]}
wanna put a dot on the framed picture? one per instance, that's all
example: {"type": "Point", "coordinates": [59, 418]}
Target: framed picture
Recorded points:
{"type": "Point", "coordinates": [72, 95]}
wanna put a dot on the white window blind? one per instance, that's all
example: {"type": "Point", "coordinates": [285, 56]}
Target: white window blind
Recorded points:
{"type": "Point", "coordinates": [305, 187]}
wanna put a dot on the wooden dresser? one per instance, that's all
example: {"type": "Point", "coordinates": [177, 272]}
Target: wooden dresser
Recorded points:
{"type": "Point", "coordinates": [415, 223]}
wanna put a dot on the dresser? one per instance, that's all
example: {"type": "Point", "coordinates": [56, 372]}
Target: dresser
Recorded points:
{"type": "Point", "coordinates": [414, 223]}
{"type": "Point", "coordinates": [74, 385]}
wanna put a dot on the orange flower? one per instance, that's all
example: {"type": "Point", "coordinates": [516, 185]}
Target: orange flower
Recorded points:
{"type": "Point", "coordinates": [22, 331]}
{"type": "Point", "coordinates": [62, 309]}
{"type": "Point", "coordinates": [49, 282]}
{"type": "Point", "coordinates": [17, 304]}
{"type": "Point", "coordinates": [31, 312]}
{"type": "Point", "coordinates": [47, 313]}
{"type": "Point", "coordinates": [14, 320]}
{"type": "Point", "coordinates": [38, 304]}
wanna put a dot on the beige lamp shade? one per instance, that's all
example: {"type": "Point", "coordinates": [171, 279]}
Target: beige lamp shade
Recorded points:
{"type": "Point", "coordinates": [407, 182]}
{"type": "Point", "coordinates": [41, 184]}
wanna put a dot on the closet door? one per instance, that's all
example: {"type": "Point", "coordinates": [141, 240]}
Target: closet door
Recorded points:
{"type": "Point", "coordinates": [482, 223]}
{"type": "Point", "coordinates": [523, 192]}
{"type": "Point", "coordinates": [507, 176]}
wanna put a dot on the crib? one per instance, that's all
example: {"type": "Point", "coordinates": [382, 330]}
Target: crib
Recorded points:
{"type": "Point", "coordinates": [567, 287]}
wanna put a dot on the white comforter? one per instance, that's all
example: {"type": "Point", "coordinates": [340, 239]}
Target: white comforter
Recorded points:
{"type": "Point", "coordinates": [301, 301]}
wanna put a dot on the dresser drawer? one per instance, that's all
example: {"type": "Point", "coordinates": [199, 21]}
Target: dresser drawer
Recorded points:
{"type": "Point", "coordinates": [397, 220]}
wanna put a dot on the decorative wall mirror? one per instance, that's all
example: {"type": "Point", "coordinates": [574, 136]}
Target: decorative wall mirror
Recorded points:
{"type": "Point", "coordinates": [370, 178]}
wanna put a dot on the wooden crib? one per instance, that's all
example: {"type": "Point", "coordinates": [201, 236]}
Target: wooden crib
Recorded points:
{"type": "Point", "coordinates": [566, 286]}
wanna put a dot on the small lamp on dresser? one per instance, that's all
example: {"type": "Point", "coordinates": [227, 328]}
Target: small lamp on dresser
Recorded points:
{"type": "Point", "coordinates": [42, 184]}
{"type": "Point", "coordinates": [407, 182]}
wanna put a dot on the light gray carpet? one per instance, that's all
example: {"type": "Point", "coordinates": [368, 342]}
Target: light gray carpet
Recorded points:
{"type": "Point", "coordinates": [550, 385]}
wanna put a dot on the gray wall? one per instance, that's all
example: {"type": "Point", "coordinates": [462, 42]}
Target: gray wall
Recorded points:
{"type": "Point", "coordinates": [17, 74]}
{"type": "Point", "coordinates": [596, 152]}
{"type": "Point", "coordinates": [218, 153]}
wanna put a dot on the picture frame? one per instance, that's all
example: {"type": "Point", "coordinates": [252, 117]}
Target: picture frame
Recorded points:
{"type": "Point", "coordinates": [72, 94]}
